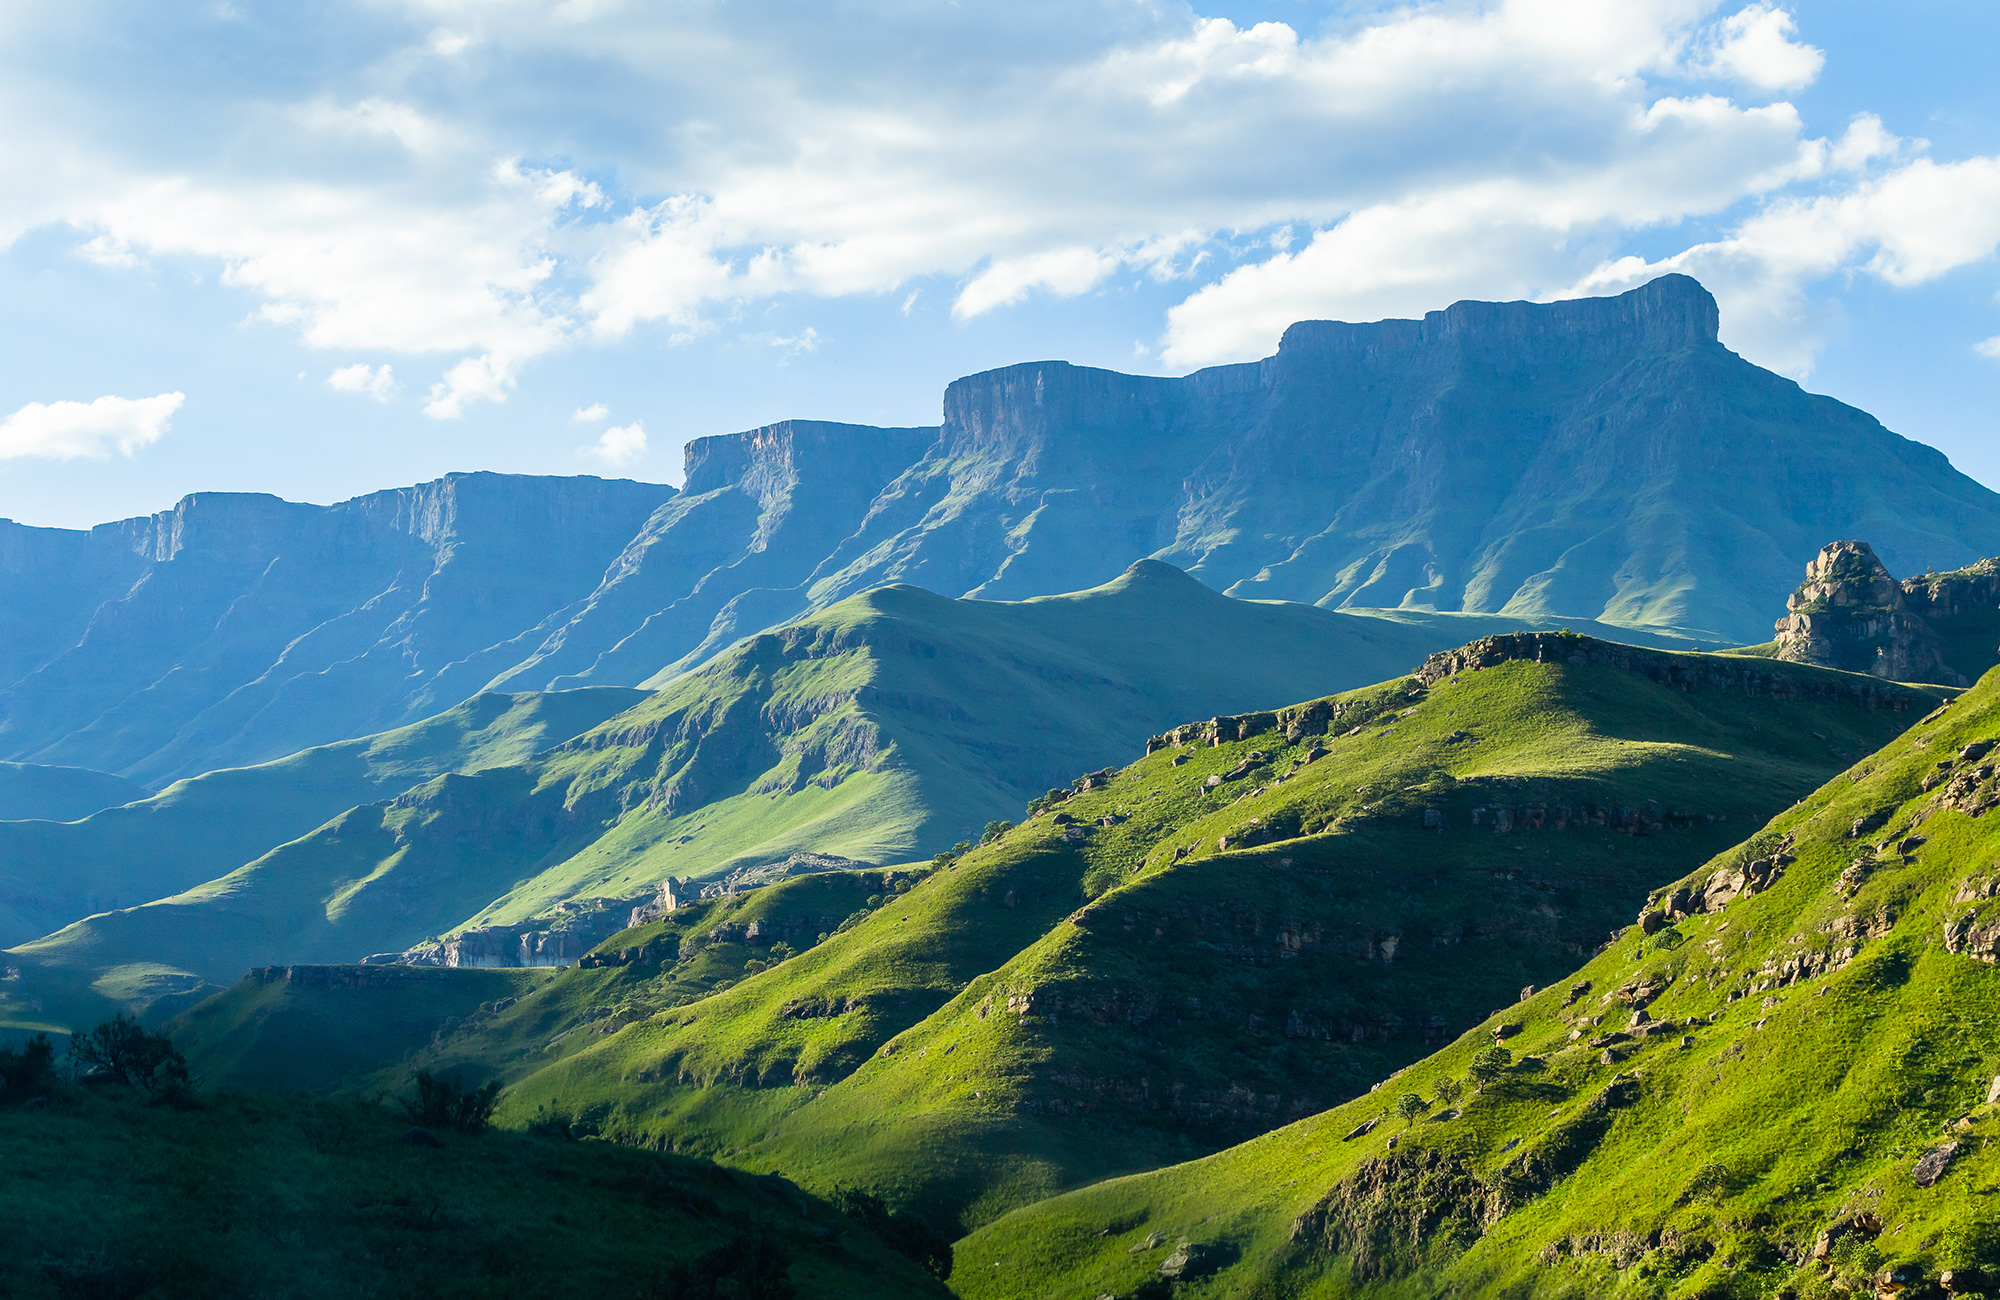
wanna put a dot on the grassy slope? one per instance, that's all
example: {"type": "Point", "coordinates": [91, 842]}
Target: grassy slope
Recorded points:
{"type": "Point", "coordinates": [207, 826]}
{"type": "Point", "coordinates": [1796, 1102]}
{"type": "Point", "coordinates": [310, 1027]}
{"type": "Point", "coordinates": [891, 723]}
{"type": "Point", "coordinates": [31, 792]}
{"type": "Point", "coordinates": [293, 1197]}
{"type": "Point", "coordinates": [1030, 1053]}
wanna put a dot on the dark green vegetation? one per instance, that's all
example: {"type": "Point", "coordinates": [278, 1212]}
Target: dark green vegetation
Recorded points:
{"type": "Point", "coordinates": [1779, 1082]}
{"type": "Point", "coordinates": [1173, 966]}
{"type": "Point", "coordinates": [105, 1195]}
{"type": "Point", "coordinates": [1596, 458]}
{"type": "Point", "coordinates": [59, 794]}
{"type": "Point", "coordinates": [318, 1028]}
{"type": "Point", "coordinates": [881, 729]}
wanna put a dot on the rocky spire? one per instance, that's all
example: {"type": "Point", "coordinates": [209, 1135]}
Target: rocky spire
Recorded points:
{"type": "Point", "coordinates": [1850, 613]}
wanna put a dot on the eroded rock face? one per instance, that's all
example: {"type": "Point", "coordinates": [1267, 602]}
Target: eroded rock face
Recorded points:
{"type": "Point", "coordinates": [1850, 613]}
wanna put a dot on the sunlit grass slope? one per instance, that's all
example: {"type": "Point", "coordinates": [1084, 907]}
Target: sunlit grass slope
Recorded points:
{"type": "Point", "coordinates": [1779, 1084]}
{"type": "Point", "coordinates": [1128, 988]}
{"type": "Point", "coordinates": [270, 1196]}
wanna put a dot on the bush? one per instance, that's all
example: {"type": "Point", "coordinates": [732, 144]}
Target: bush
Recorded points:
{"type": "Point", "coordinates": [1448, 1090]}
{"type": "Point", "coordinates": [901, 1231]}
{"type": "Point", "coordinates": [994, 830]}
{"type": "Point", "coordinates": [445, 1103]}
{"type": "Point", "coordinates": [119, 1051]}
{"type": "Point", "coordinates": [781, 951]}
{"type": "Point", "coordinates": [1490, 1065]}
{"type": "Point", "coordinates": [28, 1073]}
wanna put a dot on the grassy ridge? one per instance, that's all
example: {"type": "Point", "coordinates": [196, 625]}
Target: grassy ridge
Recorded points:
{"type": "Point", "coordinates": [1824, 1037]}
{"type": "Point", "coordinates": [1082, 999]}
{"type": "Point", "coordinates": [32, 792]}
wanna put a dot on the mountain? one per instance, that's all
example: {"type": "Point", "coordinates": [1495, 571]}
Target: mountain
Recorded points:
{"type": "Point", "coordinates": [881, 729]}
{"type": "Point", "coordinates": [1600, 459]}
{"type": "Point", "coordinates": [59, 794]}
{"type": "Point", "coordinates": [238, 628]}
{"type": "Point", "coordinates": [1780, 1081]}
{"type": "Point", "coordinates": [1253, 922]}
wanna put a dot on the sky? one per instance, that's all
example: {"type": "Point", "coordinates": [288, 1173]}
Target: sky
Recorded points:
{"type": "Point", "coordinates": [319, 250]}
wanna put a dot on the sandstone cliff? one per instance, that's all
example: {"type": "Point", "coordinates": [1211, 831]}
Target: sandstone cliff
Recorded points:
{"type": "Point", "coordinates": [1850, 613]}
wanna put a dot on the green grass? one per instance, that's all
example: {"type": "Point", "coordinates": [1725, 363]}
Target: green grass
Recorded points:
{"type": "Point", "coordinates": [1795, 1102]}
{"type": "Point", "coordinates": [1053, 1010]}
{"type": "Point", "coordinates": [882, 729]}
{"type": "Point", "coordinates": [248, 1195]}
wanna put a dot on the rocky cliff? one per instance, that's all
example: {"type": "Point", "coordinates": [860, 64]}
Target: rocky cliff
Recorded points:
{"type": "Point", "coordinates": [1850, 613]}
{"type": "Point", "coordinates": [237, 628]}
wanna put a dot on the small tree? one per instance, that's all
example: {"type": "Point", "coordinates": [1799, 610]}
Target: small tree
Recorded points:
{"type": "Point", "coordinates": [445, 1103]}
{"type": "Point", "coordinates": [120, 1051]}
{"type": "Point", "coordinates": [1409, 1106]}
{"type": "Point", "coordinates": [1448, 1090]}
{"type": "Point", "coordinates": [28, 1073]}
{"type": "Point", "coordinates": [1490, 1065]}
{"type": "Point", "coordinates": [994, 830]}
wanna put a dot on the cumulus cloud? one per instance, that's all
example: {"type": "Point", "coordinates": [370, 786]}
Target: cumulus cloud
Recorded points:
{"type": "Point", "coordinates": [620, 445]}
{"type": "Point", "coordinates": [1988, 347]}
{"type": "Point", "coordinates": [589, 414]}
{"type": "Point", "coordinates": [97, 430]}
{"type": "Point", "coordinates": [475, 379]}
{"type": "Point", "coordinates": [376, 381]}
{"type": "Point", "coordinates": [1492, 147]}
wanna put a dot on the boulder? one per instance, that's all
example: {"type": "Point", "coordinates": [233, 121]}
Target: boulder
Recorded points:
{"type": "Point", "coordinates": [1934, 1164]}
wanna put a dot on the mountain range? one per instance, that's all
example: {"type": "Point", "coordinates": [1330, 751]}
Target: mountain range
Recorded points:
{"type": "Point", "coordinates": [1599, 459]}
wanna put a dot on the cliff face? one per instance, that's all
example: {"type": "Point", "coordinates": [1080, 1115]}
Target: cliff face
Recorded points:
{"type": "Point", "coordinates": [237, 628]}
{"type": "Point", "coordinates": [1601, 458]}
{"type": "Point", "coordinates": [1850, 613]}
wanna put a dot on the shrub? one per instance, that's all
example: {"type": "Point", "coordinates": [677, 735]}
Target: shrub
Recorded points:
{"type": "Point", "coordinates": [755, 966]}
{"type": "Point", "coordinates": [1490, 1065]}
{"type": "Point", "coordinates": [28, 1073]}
{"type": "Point", "coordinates": [1448, 1090]}
{"type": "Point", "coordinates": [943, 860]}
{"type": "Point", "coordinates": [994, 830]}
{"type": "Point", "coordinates": [901, 1231]}
{"type": "Point", "coordinates": [445, 1103]}
{"type": "Point", "coordinates": [781, 951]}
{"type": "Point", "coordinates": [962, 848]}
{"type": "Point", "coordinates": [120, 1051]}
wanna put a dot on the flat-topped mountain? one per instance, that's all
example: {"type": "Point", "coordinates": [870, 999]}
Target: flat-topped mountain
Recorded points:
{"type": "Point", "coordinates": [1601, 458]}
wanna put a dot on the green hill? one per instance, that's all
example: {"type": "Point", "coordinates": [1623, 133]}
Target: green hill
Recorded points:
{"type": "Point", "coordinates": [1244, 953]}
{"type": "Point", "coordinates": [882, 729]}
{"type": "Point", "coordinates": [106, 1196]}
{"type": "Point", "coordinates": [207, 826]}
{"type": "Point", "coordinates": [30, 792]}
{"type": "Point", "coordinates": [1780, 1082]}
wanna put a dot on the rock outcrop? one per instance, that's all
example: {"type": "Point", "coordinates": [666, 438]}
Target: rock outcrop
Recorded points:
{"type": "Point", "coordinates": [1851, 614]}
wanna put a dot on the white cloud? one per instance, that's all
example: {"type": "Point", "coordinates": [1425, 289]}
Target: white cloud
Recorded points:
{"type": "Point", "coordinates": [589, 414]}
{"type": "Point", "coordinates": [1392, 163]}
{"type": "Point", "coordinates": [376, 381]}
{"type": "Point", "coordinates": [67, 430]}
{"type": "Point", "coordinates": [791, 345]}
{"type": "Point", "coordinates": [1755, 46]}
{"type": "Point", "coordinates": [619, 446]}
{"type": "Point", "coordinates": [475, 379]}
{"type": "Point", "coordinates": [1988, 347]}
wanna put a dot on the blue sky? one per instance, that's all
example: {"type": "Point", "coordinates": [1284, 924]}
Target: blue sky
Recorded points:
{"type": "Point", "coordinates": [318, 250]}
